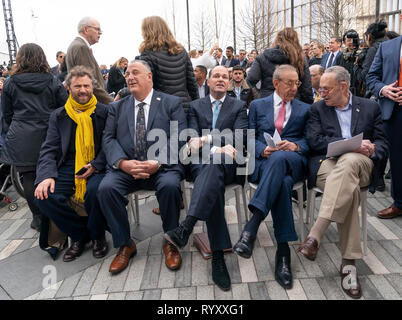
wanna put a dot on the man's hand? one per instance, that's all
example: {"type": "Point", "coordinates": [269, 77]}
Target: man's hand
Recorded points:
{"type": "Point", "coordinates": [269, 152]}
{"type": "Point", "coordinates": [196, 143]}
{"type": "Point", "coordinates": [229, 150]}
{"type": "Point", "coordinates": [90, 171]}
{"type": "Point", "coordinates": [138, 169]}
{"type": "Point", "coordinates": [367, 148]}
{"type": "Point", "coordinates": [287, 146]}
{"type": "Point", "coordinates": [41, 191]}
{"type": "Point", "coordinates": [393, 92]}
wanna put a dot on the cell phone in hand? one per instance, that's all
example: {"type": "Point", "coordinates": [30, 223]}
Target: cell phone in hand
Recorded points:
{"type": "Point", "coordinates": [81, 171]}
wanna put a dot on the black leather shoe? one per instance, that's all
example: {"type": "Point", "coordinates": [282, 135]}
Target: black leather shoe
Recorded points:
{"type": "Point", "coordinates": [244, 247]}
{"type": "Point", "coordinates": [283, 273]}
{"type": "Point", "coordinates": [220, 274]}
{"type": "Point", "coordinates": [100, 248]}
{"type": "Point", "coordinates": [179, 236]}
{"type": "Point", "coordinates": [76, 249]}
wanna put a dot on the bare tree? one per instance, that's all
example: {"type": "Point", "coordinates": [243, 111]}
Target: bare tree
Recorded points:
{"type": "Point", "coordinates": [333, 17]}
{"type": "Point", "coordinates": [203, 31]}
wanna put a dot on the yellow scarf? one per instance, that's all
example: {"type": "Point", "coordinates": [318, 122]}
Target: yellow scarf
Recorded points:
{"type": "Point", "coordinates": [84, 139]}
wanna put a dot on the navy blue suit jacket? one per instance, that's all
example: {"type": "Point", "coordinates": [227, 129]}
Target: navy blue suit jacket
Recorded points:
{"type": "Point", "coordinates": [261, 119]}
{"type": "Point", "coordinates": [325, 58]}
{"type": "Point", "coordinates": [384, 71]}
{"type": "Point", "coordinates": [54, 150]}
{"type": "Point", "coordinates": [233, 63]}
{"type": "Point", "coordinates": [119, 135]}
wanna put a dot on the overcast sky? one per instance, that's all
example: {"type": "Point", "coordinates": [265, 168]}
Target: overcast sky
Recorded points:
{"type": "Point", "coordinates": [53, 24]}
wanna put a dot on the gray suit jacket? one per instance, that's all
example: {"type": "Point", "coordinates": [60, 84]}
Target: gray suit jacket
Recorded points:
{"type": "Point", "coordinates": [79, 54]}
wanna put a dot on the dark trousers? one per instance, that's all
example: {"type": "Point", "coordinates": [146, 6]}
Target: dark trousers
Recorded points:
{"type": "Point", "coordinates": [208, 200]}
{"type": "Point", "coordinates": [115, 187]}
{"type": "Point", "coordinates": [393, 129]}
{"type": "Point", "coordinates": [277, 175]}
{"type": "Point", "coordinates": [66, 219]}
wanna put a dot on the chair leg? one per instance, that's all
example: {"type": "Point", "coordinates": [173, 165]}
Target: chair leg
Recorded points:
{"type": "Point", "coordinates": [364, 220]}
{"type": "Point", "coordinates": [238, 210]}
{"type": "Point", "coordinates": [312, 208]}
{"type": "Point", "coordinates": [130, 209]}
{"type": "Point", "coordinates": [137, 210]}
{"type": "Point", "coordinates": [183, 189]}
{"type": "Point", "coordinates": [301, 213]}
{"type": "Point", "coordinates": [244, 197]}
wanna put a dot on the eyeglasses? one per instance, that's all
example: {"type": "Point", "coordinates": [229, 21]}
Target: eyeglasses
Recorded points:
{"type": "Point", "coordinates": [325, 90]}
{"type": "Point", "coordinates": [290, 83]}
{"type": "Point", "coordinates": [61, 56]}
{"type": "Point", "coordinates": [99, 30]}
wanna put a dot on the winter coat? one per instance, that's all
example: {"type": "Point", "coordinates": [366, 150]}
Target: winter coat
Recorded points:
{"type": "Point", "coordinates": [116, 81]}
{"type": "Point", "coordinates": [173, 74]}
{"type": "Point", "coordinates": [27, 101]}
{"type": "Point", "coordinates": [263, 69]}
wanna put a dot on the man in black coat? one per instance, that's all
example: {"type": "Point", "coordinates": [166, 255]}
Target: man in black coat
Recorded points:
{"type": "Point", "coordinates": [215, 112]}
{"type": "Point", "coordinates": [57, 175]}
{"type": "Point", "coordinates": [342, 116]}
{"type": "Point", "coordinates": [135, 163]}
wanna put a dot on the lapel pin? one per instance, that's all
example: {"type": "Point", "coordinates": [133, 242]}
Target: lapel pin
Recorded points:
{"type": "Point", "coordinates": [159, 99]}
{"type": "Point", "coordinates": [358, 110]}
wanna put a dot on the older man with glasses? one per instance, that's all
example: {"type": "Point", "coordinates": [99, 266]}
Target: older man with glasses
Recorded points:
{"type": "Point", "coordinates": [341, 116]}
{"type": "Point", "coordinates": [80, 53]}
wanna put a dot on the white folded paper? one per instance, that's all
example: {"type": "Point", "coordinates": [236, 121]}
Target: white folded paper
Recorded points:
{"type": "Point", "coordinates": [272, 142]}
{"type": "Point", "coordinates": [338, 148]}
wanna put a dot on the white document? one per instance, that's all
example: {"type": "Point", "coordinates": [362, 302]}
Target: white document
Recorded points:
{"type": "Point", "coordinates": [272, 142]}
{"type": "Point", "coordinates": [338, 148]}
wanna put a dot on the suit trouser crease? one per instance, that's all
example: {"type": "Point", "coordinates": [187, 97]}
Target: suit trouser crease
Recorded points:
{"type": "Point", "coordinates": [341, 180]}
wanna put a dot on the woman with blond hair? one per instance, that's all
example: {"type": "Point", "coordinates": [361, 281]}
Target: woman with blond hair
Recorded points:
{"type": "Point", "coordinates": [116, 80]}
{"type": "Point", "coordinates": [170, 64]}
{"type": "Point", "coordinates": [286, 50]}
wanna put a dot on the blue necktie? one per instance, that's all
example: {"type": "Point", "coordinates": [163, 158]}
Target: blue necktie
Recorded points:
{"type": "Point", "coordinates": [217, 109]}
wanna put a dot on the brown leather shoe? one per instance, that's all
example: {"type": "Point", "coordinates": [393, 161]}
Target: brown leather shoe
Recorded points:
{"type": "Point", "coordinates": [172, 256]}
{"type": "Point", "coordinates": [390, 213]}
{"type": "Point", "coordinates": [309, 248]}
{"type": "Point", "coordinates": [350, 281]}
{"type": "Point", "coordinates": [122, 258]}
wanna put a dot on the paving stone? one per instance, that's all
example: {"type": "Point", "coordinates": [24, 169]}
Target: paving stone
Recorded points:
{"type": "Point", "coordinates": [373, 234]}
{"type": "Point", "coordinates": [152, 294]}
{"type": "Point", "coordinates": [85, 284]}
{"type": "Point", "coordinates": [262, 265]}
{"type": "Point", "coordinates": [275, 291]}
{"type": "Point", "coordinates": [247, 270]}
{"type": "Point", "coordinates": [374, 263]}
{"type": "Point", "coordinates": [384, 287]}
{"type": "Point", "coordinates": [258, 291]}
{"type": "Point", "coordinates": [68, 286]}
{"type": "Point", "coordinates": [396, 282]}
{"type": "Point", "coordinates": [4, 295]}
{"type": "Point", "coordinates": [369, 291]}
{"type": "Point", "coordinates": [7, 234]}
{"type": "Point", "coordinates": [386, 259]}
{"type": "Point", "coordinates": [10, 248]}
{"type": "Point", "coordinates": [199, 272]}
{"type": "Point", "coordinates": [82, 298]}
{"type": "Point", "coordinates": [393, 250]}
{"type": "Point", "coordinates": [232, 265]}
{"type": "Point", "coordinates": [135, 274]}
{"type": "Point", "coordinates": [330, 289]}
{"type": "Point", "coordinates": [326, 265]}
{"type": "Point", "coordinates": [155, 246]}
{"type": "Point", "coordinates": [150, 278]}
{"type": "Point", "coordinates": [241, 292]}
{"type": "Point", "coordinates": [297, 291]}
{"type": "Point", "coordinates": [118, 281]}
{"type": "Point", "coordinates": [117, 296]}
{"type": "Point", "coordinates": [296, 265]}
{"type": "Point", "coordinates": [25, 245]}
{"type": "Point", "coordinates": [21, 230]}
{"type": "Point", "coordinates": [221, 295]}
{"type": "Point", "coordinates": [170, 294]}
{"type": "Point", "coordinates": [183, 275]}
{"type": "Point", "coordinates": [99, 297]}
{"type": "Point", "coordinates": [167, 277]}
{"type": "Point", "coordinates": [103, 279]}
{"type": "Point", "coordinates": [142, 247]}
{"type": "Point", "coordinates": [205, 293]}
{"type": "Point", "coordinates": [391, 225]}
{"type": "Point", "coordinates": [381, 228]}
{"type": "Point", "coordinates": [312, 289]}
{"type": "Point", "coordinates": [189, 293]}
{"type": "Point", "coordinates": [312, 268]}
{"type": "Point", "coordinates": [49, 292]}
{"type": "Point", "coordinates": [264, 237]}
{"type": "Point", "coordinates": [332, 233]}
{"type": "Point", "coordinates": [135, 295]}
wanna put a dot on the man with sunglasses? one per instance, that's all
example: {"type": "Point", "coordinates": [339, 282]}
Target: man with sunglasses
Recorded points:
{"type": "Point", "coordinates": [277, 168]}
{"type": "Point", "coordinates": [60, 59]}
{"type": "Point", "coordinates": [341, 115]}
{"type": "Point", "coordinates": [80, 53]}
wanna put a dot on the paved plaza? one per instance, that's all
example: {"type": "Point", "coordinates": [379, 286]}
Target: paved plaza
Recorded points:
{"type": "Point", "coordinates": [24, 266]}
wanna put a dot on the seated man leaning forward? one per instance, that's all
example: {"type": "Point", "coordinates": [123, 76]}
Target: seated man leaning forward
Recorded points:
{"type": "Point", "coordinates": [133, 166]}
{"type": "Point", "coordinates": [71, 162]}
{"type": "Point", "coordinates": [217, 169]}
{"type": "Point", "coordinates": [277, 169]}
{"type": "Point", "coordinates": [341, 116]}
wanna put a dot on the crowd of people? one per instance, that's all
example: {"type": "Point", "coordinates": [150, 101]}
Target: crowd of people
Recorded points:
{"type": "Point", "coordinates": [91, 140]}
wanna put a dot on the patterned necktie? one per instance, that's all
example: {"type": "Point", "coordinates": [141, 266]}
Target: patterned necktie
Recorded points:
{"type": "Point", "coordinates": [140, 148]}
{"type": "Point", "coordinates": [400, 75]}
{"type": "Point", "coordinates": [216, 113]}
{"type": "Point", "coordinates": [280, 120]}
{"type": "Point", "coordinates": [318, 97]}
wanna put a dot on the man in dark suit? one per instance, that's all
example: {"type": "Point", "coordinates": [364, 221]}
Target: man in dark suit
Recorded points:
{"type": "Point", "coordinates": [386, 68]}
{"type": "Point", "coordinates": [134, 163]}
{"type": "Point", "coordinates": [277, 169]}
{"type": "Point", "coordinates": [341, 116]}
{"type": "Point", "coordinates": [328, 59]}
{"type": "Point", "coordinates": [230, 60]}
{"type": "Point", "coordinates": [79, 53]}
{"type": "Point", "coordinates": [58, 175]}
{"type": "Point", "coordinates": [217, 169]}
{"type": "Point", "coordinates": [243, 61]}
{"type": "Point", "coordinates": [60, 59]}
{"type": "Point", "coordinates": [200, 73]}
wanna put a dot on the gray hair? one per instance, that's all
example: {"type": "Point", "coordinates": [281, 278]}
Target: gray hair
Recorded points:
{"type": "Point", "coordinates": [341, 74]}
{"type": "Point", "coordinates": [282, 68]}
{"type": "Point", "coordinates": [84, 22]}
{"type": "Point", "coordinates": [144, 63]}
{"type": "Point", "coordinates": [319, 68]}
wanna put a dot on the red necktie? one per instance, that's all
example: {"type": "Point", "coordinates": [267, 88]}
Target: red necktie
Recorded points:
{"type": "Point", "coordinates": [400, 75]}
{"type": "Point", "coordinates": [280, 121]}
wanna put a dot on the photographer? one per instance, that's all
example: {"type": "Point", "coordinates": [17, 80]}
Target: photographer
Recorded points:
{"type": "Point", "coordinates": [348, 59]}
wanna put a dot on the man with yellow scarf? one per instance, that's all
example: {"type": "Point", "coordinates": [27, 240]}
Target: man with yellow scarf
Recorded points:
{"type": "Point", "coordinates": [70, 165]}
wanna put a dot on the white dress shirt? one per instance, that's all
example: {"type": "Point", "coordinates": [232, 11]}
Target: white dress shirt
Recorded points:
{"type": "Point", "coordinates": [147, 106]}
{"type": "Point", "coordinates": [277, 107]}
{"type": "Point", "coordinates": [86, 41]}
